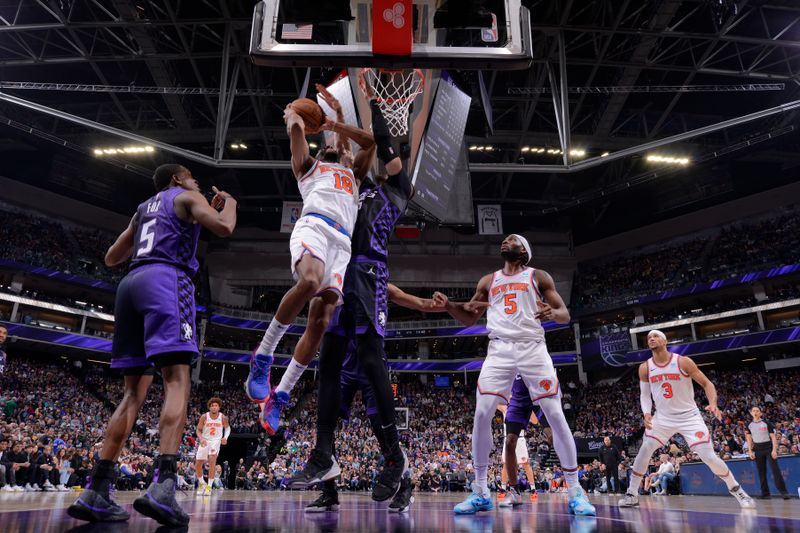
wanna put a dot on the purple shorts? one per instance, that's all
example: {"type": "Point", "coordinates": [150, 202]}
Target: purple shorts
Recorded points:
{"type": "Point", "coordinates": [366, 299]}
{"type": "Point", "coordinates": [154, 314]}
{"type": "Point", "coordinates": [520, 407]}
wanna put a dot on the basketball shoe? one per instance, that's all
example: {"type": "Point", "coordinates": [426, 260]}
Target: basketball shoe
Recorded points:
{"type": "Point", "coordinates": [389, 479]}
{"type": "Point", "coordinates": [270, 417]}
{"type": "Point", "coordinates": [92, 506]}
{"type": "Point", "coordinates": [159, 503]}
{"type": "Point", "coordinates": [512, 498]}
{"type": "Point", "coordinates": [745, 501]}
{"type": "Point", "coordinates": [319, 468]}
{"type": "Point", "coordinates": [328, 502]}
{"type": "Point", "coordinates": [474, 503]}
{"type": "Point", "coordinates": [403, 499]}
{"type": "Point", "coordinates": [579, 504]}
{"type": "Point", "coordinates": [629, 500]}
{"type": "Point", "coordinates": [257, 384]}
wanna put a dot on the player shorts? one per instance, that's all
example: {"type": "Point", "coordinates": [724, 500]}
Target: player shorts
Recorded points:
{"type": "Point", "coordinates": [366, 300]}
{"type": "Point", "coordinates": [211, 448]}
{"type": "Point", "coordinates": [505, 359]}
{"type": "Point", "coordinates": [693, 428]}
{"type": "Point", "coordinates": [312, 235]}
{"type": "Point", "coordinates": [154, 314]}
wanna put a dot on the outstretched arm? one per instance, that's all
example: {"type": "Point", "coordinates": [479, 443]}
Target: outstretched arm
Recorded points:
{"type": "Point", "coordinates": [689, 367]}
{"type": "Point", "coordinates": [426, 305]}
{"type": "Point", "coordinates": [469, 312]}
{"type": "Point", "coordinates": [122, 249]}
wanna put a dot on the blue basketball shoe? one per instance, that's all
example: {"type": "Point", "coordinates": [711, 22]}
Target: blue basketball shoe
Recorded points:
{"type": "Point", "coordinates": [474, 503]}
{"type": "Point", "coordinates": [579, 505]}
{"type": "Point", "coordinates": [257, 384]}
{"type": "Point", "coordinates": [270, 417]}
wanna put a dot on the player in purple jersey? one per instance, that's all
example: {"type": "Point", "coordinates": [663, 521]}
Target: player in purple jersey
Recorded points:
{"type": "Point", "coordinates": [353, 379]}
{"type": "Point", "coordinates": [154, 329]}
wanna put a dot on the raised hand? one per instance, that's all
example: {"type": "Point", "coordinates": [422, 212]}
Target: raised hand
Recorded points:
{"type": "Point", "coordinates": [218, 202]}
{"type": "Point", "coordinates": [328, 98]}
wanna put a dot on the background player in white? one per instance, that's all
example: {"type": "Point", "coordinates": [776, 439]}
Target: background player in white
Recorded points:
{"type": "Point", "coordinates": [667, 378]}
{"type": "Point", "coordinates": [319, 245]}
{"type": "Point", "coordinates": [213, 431]}
{"type": "Point", "coordinates": [518, 298]}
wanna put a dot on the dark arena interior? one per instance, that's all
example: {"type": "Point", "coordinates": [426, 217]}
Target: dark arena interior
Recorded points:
{"type": "Point", "coordinates": [557, 234]}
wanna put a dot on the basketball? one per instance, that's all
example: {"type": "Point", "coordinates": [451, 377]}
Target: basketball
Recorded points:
{"type": "Point", "coordinates": [312, 114]}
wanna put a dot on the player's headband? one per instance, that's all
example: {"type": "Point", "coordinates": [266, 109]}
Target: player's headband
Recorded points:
{"type": "Point", "coordinates": [658, 333]}
{"type": "Point", "coordinates": [525, 245]}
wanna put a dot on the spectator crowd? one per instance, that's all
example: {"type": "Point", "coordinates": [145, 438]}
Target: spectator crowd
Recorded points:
{"type": "Point", "coordinates": [738, 249]}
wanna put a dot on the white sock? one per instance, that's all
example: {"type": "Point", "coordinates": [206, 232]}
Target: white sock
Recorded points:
{"type": "Point", "coordinates": [290, 377]}
{"type": "Point", "coordinates": [573, 485]}
{"type": "Point", "coordinates": [272, 337]}
{"type": "Point", "coordinates": [481, 483]}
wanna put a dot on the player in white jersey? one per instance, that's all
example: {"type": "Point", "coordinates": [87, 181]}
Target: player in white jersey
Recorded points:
{"type": "Point", "coordinates": [319, 245]}
{"type": "Point", "coordinates": [518, 298]}
{"type": "Point", "coordinates": [213, 431]}
{"type": "Point", "coordinates": [667, 378]}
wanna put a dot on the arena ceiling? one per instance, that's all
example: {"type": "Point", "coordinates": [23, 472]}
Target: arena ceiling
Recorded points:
{"type": "Point", "coordinates": [637, 71]}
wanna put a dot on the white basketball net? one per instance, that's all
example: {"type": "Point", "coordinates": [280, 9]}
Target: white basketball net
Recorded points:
{"type": "Point", "coordinates": [395, 90]}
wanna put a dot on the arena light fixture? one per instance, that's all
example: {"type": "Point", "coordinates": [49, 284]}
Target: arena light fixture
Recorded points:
{"type": "Point", "coordinates": [526, 149]}
{"type": "Point", "coordinates": [604, 154]}
{"type": "Point", "coordinates": [670, 160]}
{"type": "Point", "coordinates": [577, 152]}
{"type": "Point", "coordinates": [123, 150]}
{"type": "Point", "coordinates": [313, 145]}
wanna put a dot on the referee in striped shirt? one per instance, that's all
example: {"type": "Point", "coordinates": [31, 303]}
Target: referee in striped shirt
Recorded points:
{"type": "Point", "coordinates": [763, 445]}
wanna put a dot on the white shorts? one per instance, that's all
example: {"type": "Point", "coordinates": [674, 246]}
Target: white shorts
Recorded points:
{"type": "Point", "coordinates": [313, 236]}
{"type": "Point", "coordinates": [693, 428]}
{"type": "Point", "coordinates": [530, 359]}
{"type": "Point", "coordinates": [521, 451]}
{"type": "Point", "coordinates": [211, 448]}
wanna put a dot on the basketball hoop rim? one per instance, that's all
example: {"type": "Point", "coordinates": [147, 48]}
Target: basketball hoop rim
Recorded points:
{"type": "Point", "coordinates": [401, 71]}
